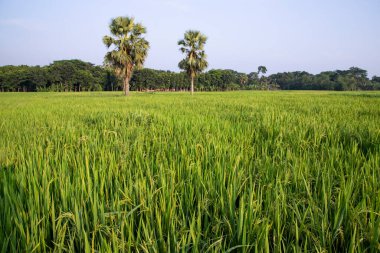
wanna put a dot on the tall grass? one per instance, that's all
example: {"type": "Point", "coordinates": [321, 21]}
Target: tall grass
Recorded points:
{"type": "Point", "coordinates": [232, 172]}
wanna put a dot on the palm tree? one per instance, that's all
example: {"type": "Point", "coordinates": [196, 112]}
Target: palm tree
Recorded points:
{"type": "Point", "coordinates": [195, 61]}
{"type": "Point", "coordinates": [261, 69]}
{"type": "Point", "coordinates": [129, 48]}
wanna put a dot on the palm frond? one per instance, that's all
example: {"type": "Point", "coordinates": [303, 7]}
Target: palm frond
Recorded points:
{"type": "Point", "coordinates": [192, 45]}
{"type": "Point", "coordinates": [130, 48]}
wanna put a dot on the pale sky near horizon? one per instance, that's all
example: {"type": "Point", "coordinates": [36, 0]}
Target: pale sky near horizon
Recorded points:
{"type": "Point", "coordinates": [283, 35]}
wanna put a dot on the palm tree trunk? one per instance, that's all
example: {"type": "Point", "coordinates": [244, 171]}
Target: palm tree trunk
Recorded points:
{"type": "Point", "coordinates": [192, 85]}
{"type": "Point", "coordinates": [128, 76]}
{"type": "Point", "coordinates": [126, 86]}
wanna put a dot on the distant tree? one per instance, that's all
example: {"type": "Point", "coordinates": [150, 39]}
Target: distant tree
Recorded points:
{"type": "Point", "coordinates": [358, 72]}
{"type": "Point", "coordinates": [323, 81]}
{"type": "Point", "coordinates": [243, 79]}
{"type": "Point", "coordinates": [263, 84]}
{"type": "Point", "coordinates": [129, 48]}
{"type": "Point", "coordinates": [85, 81]}
{"type": "Point", "coordinates": [253, 80]}
{"type": "Point", "coordinates": [144, 79]}
{"type": "Point", "coordinates": [376, 79]}
{"type": "Point", "coordinates": [195, 61]}
{"type": "Point", "coordinates": [376, 82]}
{"type": "Point", "coordinates": [261, 69]}
{"type": "Point", "coordinates": [74, 75]}
{"type": "Point", "coordinates": [360, 76]}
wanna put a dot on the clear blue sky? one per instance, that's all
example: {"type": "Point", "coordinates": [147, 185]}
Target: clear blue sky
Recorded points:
{"type": "Point", "coordinates": [283, 35]}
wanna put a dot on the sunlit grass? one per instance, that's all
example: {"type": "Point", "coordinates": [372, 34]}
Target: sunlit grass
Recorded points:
{"type": "Point", "coordinates": [213, 172]}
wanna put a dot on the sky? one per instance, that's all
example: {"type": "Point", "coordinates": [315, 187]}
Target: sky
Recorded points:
{"type": "Point", "coordinates": [283, 35]}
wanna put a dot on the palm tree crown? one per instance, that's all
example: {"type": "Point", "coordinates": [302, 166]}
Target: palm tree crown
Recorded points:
{"type": "Point", "coordinates": [261, 69]}
{"type": "Point", "coordinates": [193, 47]}
{"type": "Point", "coordinates": [129, 47]}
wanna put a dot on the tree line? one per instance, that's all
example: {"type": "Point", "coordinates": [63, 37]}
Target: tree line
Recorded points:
{"type": "Point", "coordinates": [65, 75]}
{"type": "Point", "coordinates": [76, 75]}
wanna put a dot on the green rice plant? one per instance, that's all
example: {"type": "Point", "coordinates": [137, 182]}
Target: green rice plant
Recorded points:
{"type": "Point", "coordinates": [168, 172]}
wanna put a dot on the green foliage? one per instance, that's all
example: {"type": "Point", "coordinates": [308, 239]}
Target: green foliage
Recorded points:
{"type": "Point", "coordinates": [150, 79]}
{"type": "Point", "coordinates": [66, 75]}
{"type": "Point", "coordinates": [376, 82]}
{"type": "Point", "coordinates": [195, 57]}
{"type": "Point", "coordinates": [75, 75]}
{"type": "Point", "coordinates": [129, 48]}
{"type": "Point", "coordinates": [352, 79]}
{"type": "Point", "coordinates": [218, 172]}
{"type": "Point", "coordinates": [262, 69]}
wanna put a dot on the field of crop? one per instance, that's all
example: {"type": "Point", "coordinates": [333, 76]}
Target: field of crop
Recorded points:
{"type": "Point", "coordinates": [170, 172]}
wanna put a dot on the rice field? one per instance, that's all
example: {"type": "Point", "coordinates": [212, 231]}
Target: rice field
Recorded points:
{"type": "Point", "coordinates": [169, 172]}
